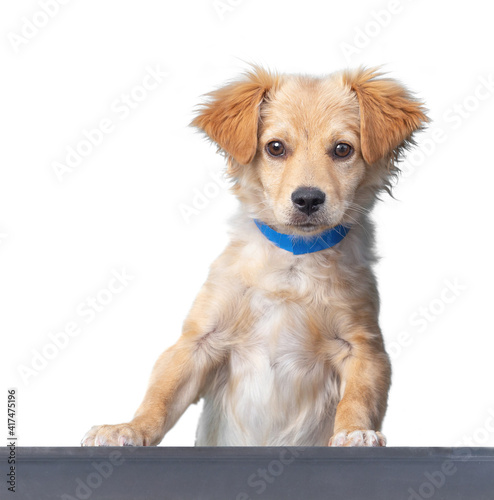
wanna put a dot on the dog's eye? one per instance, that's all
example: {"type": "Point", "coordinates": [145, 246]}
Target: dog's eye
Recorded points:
{"type": "Point", "coordinates": [275, 148]}
{"type": "Point", "coordinates": [342, 150]}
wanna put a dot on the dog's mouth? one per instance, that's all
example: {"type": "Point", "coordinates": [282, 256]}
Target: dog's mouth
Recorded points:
{"type": "Point", "coordinates": [306, 228]}
{"type": "Point", "coordinates": [301, 224]}
{"type": "Point", "coordinates": [306, 225]}
{"type": "Point", "coordinates": [308, 222]}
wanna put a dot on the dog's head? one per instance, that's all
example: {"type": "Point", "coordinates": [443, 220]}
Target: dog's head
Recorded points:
{"type": "Point", "coordinates": [307, 153]}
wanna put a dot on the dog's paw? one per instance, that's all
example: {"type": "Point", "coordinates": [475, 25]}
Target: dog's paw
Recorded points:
{"type": "Point", "coordinates": [358, 438]}
{"type": "Point", "coordinates": [113, 435]}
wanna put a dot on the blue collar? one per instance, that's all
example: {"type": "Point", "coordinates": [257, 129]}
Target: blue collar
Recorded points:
{"type": "Point", "coordinates": [304, 244]}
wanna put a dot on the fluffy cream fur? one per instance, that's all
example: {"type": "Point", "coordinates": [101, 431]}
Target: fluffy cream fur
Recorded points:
{"type": "Point", "coordinates": [285, 349]}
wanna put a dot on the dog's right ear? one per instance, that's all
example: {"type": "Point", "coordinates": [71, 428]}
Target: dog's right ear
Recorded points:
{"type": "Point", "coordinates": [231, 116]}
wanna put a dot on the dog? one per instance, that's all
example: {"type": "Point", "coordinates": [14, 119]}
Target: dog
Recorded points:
{"type": "Point", "coordinates": [283, 341]}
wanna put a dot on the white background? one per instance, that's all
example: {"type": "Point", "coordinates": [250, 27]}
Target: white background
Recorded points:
{"type": "Point", "coordinates": [122, 206]}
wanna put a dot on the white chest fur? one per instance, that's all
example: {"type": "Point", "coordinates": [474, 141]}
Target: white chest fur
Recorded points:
{"type": "Point", "coordinates": [274, 390]}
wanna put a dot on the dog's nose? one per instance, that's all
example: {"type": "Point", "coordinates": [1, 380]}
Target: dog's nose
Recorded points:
{"type": "Point", "coordinates": [308, 199]}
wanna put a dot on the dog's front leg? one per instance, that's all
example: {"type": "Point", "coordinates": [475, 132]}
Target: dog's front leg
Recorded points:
{"type": "Point", "coordinates": [175, 382]}
{"type": "Point", "coordinates": [365, 378]}
{"type": "Point", "coordinates": [177, 377]}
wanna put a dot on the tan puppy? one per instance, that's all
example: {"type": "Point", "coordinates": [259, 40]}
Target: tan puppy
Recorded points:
{"type": "Point", "coordinates": [284, 345]}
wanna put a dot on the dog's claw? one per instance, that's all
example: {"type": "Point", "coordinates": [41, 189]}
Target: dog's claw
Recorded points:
{"type": "Point", "coordinates": [113, 435]}
{"type": "Point", "coordinates": [358, 438]}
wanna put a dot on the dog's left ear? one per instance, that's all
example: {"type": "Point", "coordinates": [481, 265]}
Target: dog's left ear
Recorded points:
{"type": "Point", "coordinates": [389, 114]}
{"type": "Point", "coordinates": [231, 117]}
